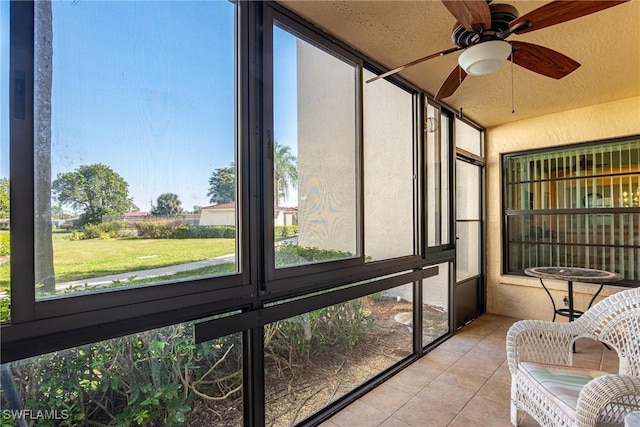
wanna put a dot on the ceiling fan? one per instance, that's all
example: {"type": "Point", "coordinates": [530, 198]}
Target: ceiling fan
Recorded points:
{"type": "Point", "coordinates": [481, 31]}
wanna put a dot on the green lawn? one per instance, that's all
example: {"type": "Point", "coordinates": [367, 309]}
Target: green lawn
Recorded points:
{"type": "Point", "coordinates": [82, 259]}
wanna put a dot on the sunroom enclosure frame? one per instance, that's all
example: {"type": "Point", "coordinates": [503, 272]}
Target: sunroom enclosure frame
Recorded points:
{"type": "Point", "coordinates": [40, 326]}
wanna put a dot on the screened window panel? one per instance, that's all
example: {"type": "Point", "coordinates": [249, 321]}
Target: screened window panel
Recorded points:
{"type": "Point", "coordinates": [438, 157]}
{"type": "Point", "coordinates": [468, 138]}
{"type": "Point", "coordinates": [132, 380]}
{"type": "Point", "coordinates": [317, 357]}
{"type": "Point", "coordinates": [315, 156]}
{"type": "Point", "coordinates": [135, 144]}
{"type": "Point", "coordinates": [435, 305]}
{"type": "Point", "coordinates": [388, 170]}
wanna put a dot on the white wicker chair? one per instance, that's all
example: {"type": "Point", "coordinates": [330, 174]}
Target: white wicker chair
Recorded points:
{"type": "Point", "coordinates": [544, 382]}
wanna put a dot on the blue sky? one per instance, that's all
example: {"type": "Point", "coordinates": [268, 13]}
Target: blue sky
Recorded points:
{"type": "Point", "coordinates": [147, 88]}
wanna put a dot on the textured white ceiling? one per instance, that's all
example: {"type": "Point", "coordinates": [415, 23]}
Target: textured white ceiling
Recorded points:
{"type": "Point", "coordinates": [606, 43]}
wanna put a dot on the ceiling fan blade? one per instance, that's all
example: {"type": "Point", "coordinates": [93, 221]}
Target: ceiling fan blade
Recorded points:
{"type": "Point", "coordinates": [474, 15]}
{"type": "Point", "coordinates": [451, 83]}
{"type": "Point", "coordinates": [412, 63]}
{"type": "Point", "coordinates": [559, 11]}
{"type": "Point", "coordinates": [542, 60]}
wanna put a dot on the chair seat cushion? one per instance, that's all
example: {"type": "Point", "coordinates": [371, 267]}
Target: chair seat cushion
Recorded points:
{"type": "Point", "coordinates": [560, 384]}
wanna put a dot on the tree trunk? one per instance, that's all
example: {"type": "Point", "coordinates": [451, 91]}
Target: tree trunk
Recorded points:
{"type": "Point", "coordinates": [43, 80]}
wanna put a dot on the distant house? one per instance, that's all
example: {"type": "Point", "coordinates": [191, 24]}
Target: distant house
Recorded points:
{"type": "Point", "coordinates": [220, 214]}
{"type": "Point", "coordinates": [225, 214]}
{"type": "Point", "coordinates": [285, 216]}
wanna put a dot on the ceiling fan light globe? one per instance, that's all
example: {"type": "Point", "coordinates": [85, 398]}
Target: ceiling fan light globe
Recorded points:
{"type": "Point", "coordinates": [484, 58]}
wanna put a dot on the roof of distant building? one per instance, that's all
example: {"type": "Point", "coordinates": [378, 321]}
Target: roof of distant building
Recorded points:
{"type": "Point", "coordinates": [136, 214]}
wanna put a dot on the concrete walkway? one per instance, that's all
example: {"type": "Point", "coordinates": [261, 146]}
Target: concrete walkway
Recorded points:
{"type": "Point", "coordinates": [145, 274]}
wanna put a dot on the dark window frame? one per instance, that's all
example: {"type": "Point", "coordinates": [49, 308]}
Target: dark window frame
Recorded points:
{"type": "Point", "coordinates": [508, 213]}
{"type": "Point", "coordinates": [33, 318]}
{"type": "Point", "coordinates": [298, 280]}
{"type": "Point", "coordinates": [129, 311]}
{"type": "Point", "coordinates": [132, 310]}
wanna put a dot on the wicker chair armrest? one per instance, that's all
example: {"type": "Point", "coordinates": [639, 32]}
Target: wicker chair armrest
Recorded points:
{"type": "Point", "coordinates": [540, 341]}
{"type": "Point", "coordinates": [607, 396]}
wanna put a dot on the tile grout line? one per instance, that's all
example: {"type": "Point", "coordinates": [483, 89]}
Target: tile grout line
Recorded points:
{"type": "Point", "coordinates": [480, 388]}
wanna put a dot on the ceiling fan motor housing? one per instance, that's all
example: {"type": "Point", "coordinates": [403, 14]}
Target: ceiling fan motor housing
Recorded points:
{"type": "Point", "coordinates": [501, 16]}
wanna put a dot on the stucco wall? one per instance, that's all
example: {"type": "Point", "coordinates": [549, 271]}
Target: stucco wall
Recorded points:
{"type": "Point", "coordinates": [326, 151]}
{"type": "Point", "coordinates": [523, 297]}
{"type": "Point", "coordinates": [388, 170]}
{"type": "Point", "coordinates": [218, 217]}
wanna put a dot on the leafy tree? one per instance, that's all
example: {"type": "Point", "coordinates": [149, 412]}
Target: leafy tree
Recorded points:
{"type": "Point", "coordinates": [168, 204]}
{"type": "Point", "coordinates": [222, 185]}
{"type": "Point", "coordinates": [196, 209]}
{"type": "Point", "coordinates": [96, 190]}
{"type": "Point", "coordinates": [285, 171]}
{"type": "Point", "coordinates": [4, 198]}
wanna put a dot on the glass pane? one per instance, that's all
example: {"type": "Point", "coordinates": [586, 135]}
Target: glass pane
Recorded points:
{"type": "Point", "coordinates": [135, 147]}
{"type": "Point", "coordinates": [603, 241]}
{"type": "Point", "coordinates": [388, 170]}
{"type": "Point", "coordinates": [438, 158]}
{"type": "Point", "coordinates": [5, 263]}
{"type": "Point", "coordinates": [445, 193]}
{"type": "Point", "coordinates": [467, 249]}
{"type": "Point", "coordinates": [315, 175]}
{"type": "Point", "coordinates": [468, 190]}
{"type": "Point", "coordinates": [435, 304]}
{"type": "Point", "coordinates": [315, 358]}
{"type": "Point", "coordinates": [592, 179]}
{"type": "Point", "coordinates": [602, 176]}
{"type": "Point", "coordinates": [157, 377]}
{"type": "Point", "coordinates": [468, 138]}
{"type": "Point", "coordinates": [434, 176]}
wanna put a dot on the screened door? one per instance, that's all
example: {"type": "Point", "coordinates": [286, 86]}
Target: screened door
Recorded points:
{"type": "Point", "coordinates": [468, 290]}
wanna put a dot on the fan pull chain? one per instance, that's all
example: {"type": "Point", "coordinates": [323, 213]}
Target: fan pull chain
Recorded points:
{"type": "Point", "coordinates": [513, 108]}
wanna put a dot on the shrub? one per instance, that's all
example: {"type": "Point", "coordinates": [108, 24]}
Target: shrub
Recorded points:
{"type": "Point", "coordinates": [105, 230]}
{"type": "Point", "coordinates": [292, 254]}
{"type": "Point", "coordinates": [76, 235]}
{"type": "Point", "coordinates": [342, 325]}
{"type": "Point", "coordinates": [5, 244]}
{"type": "Point", "coordinates": [149, 379]}
{"type": "Point", "coordinates": [205, 232]}
{"type": "Point", "coordinates": [157, 229]}
{"type": "Point", "coordinates": [283, 231]}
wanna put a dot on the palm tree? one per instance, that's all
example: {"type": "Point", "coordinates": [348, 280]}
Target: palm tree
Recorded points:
{"type": "Point", "coordinates": [285, 171]}
{"type": "Point", "coordinates": [168, 204]}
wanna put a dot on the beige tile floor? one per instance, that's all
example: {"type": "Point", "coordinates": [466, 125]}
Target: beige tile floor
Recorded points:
{"type": "Point", "coordinates": [464, 382]}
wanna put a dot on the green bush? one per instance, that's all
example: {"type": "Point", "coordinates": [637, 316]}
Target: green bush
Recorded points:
{"type": "Point", "coordinates": [283, 231]}
{"type": "Point", "coordinates": [76, 235]}
{"type": "Point", "coordinates": [288, 342]}
{"type": "Point", "coordinates": [292, 254]}
{"type": "Point", "coordinates": [150, 379]}
{"type": "Point", "coordinates": [5, 244]}
{"type": "Point", "coordinates": [157, 229]}
{"type": "Point", "coordinates": [104, 230]}
{"type": "Point", "coordinates": [205, 232]}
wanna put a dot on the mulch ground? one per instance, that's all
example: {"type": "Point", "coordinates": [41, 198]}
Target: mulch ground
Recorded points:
{"type": "Point", "coordinates": [293, 393]}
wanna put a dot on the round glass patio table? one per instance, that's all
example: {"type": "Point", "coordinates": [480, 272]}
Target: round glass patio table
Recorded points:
{"type": "Point", "coordinates": [572, 274]}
